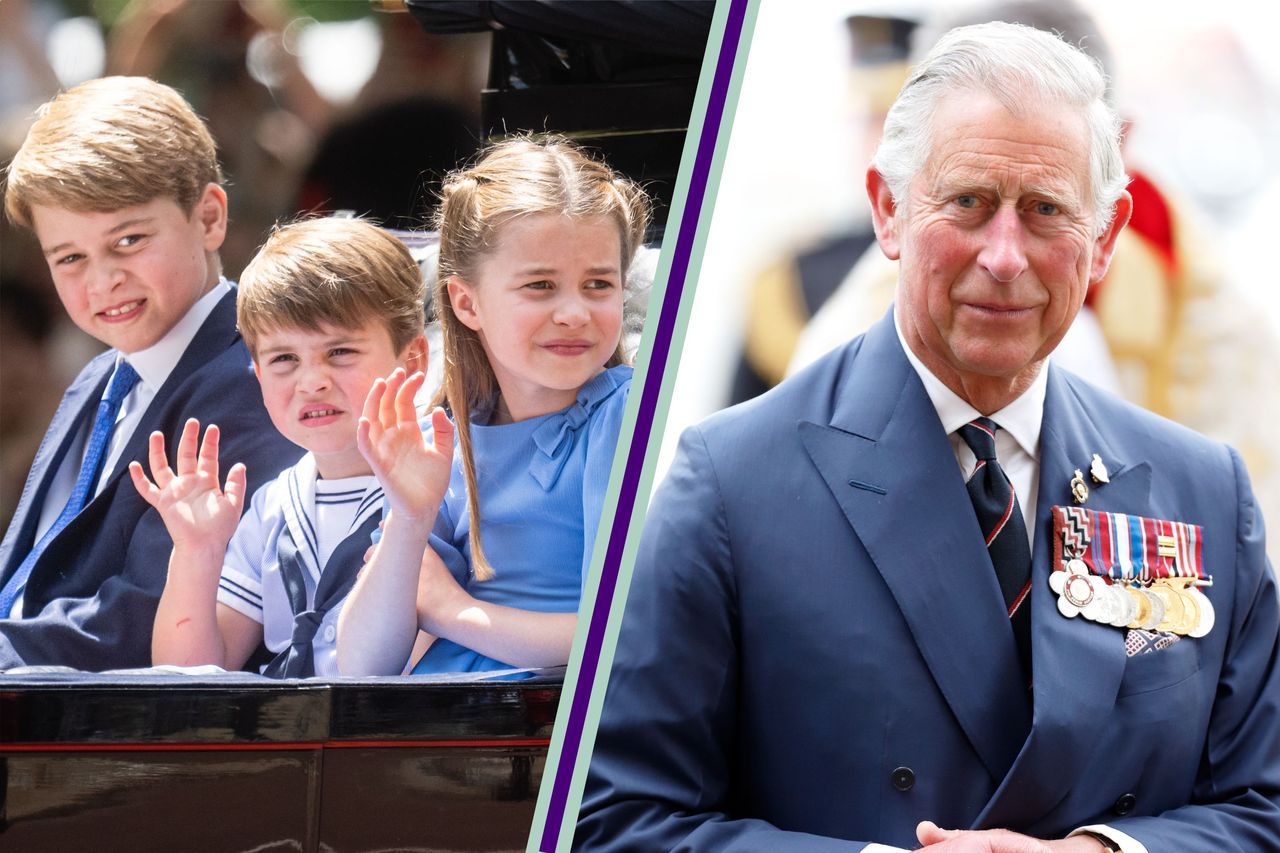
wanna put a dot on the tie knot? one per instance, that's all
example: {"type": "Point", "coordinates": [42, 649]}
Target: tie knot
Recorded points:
{"type": "Point", "coordinates": [980, 435]}
{"type": "Point", "coordinates": [122, 382]}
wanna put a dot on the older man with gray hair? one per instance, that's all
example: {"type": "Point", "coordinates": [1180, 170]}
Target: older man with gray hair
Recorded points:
{"type": "Point", "coordinates": [884, 604]}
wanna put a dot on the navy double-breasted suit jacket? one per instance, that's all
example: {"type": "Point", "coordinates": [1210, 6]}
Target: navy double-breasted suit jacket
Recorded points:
{"type": "Point", "coordinates": [815, 653]}
{"type": "Point", "coordinates": [91, 598]}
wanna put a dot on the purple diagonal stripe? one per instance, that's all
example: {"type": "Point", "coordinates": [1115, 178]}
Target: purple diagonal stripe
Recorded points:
{"type": "Point", "coordinates": [644, 423]}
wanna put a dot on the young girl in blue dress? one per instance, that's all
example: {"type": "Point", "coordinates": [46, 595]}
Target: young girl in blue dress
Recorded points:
{"type": "Point", "coordinates": [535, 241]}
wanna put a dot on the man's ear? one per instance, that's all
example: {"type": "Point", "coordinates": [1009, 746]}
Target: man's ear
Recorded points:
{"type": "Point", "coordinates": [462, 298]}
{"type": "Point", "coordinates": [883, 213]}
{"type": "Point", "coordinates": [211, 211]}
{"type": "Point", "coordinates": [1104, 245]}
{"type": "Point", "coordinates": [257, 371]}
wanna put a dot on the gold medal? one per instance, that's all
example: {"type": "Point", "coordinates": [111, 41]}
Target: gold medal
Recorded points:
{"type": "Point", "coordinates": [1079, 491]}
{"type": "Point", "coordinates": [1157, 609]}
{"type": "Point", "coordinates": [1142, 603]}
{"type": "Point", "coordinates": [1192, 612]}
{"type": "Point", "coordinates": [1174, 609]}
{"type": "Point", "coordinates": [1206, 613]}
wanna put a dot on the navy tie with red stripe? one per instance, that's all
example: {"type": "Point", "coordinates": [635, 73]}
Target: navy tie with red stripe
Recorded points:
{"type": "Point", "coordinates": [1004, 529]}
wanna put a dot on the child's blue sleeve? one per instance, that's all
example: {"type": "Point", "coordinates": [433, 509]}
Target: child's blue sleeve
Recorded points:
{"type": "Point", "coordinates": [441, 541]}
{"type": "Point", "coordinates": [602, 445]}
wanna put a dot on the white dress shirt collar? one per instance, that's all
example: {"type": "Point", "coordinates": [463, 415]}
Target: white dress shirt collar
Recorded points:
{"type": "Point", "coordinates": [1021, 418]}
{"type": "Point", "coordinates": [156, 362]}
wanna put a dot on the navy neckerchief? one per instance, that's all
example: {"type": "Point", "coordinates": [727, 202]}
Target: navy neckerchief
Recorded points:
{"type": "Point", "coordinates": [336, 580]}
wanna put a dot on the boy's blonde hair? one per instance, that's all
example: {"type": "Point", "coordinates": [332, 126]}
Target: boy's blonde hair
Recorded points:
{"type": "Point", "coordinates": [518, 177]}
{"type": "Point", "coordinates": [108, 144]}
{"type": "Point", "coordinates": [340, 272]}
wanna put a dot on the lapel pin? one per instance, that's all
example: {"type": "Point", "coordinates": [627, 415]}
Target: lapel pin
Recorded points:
{"type": "Point", "coordinates": [1098, 471]}
{"type": "Point", "coordinates": [1079, 491]}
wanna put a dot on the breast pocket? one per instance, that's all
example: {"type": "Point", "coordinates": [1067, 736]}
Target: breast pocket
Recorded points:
{"type": "Point", "coordinates": [1160, 668]}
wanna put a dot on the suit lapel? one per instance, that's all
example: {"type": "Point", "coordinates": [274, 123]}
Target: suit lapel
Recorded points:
{"type": "Point", "coordinates": [891, 468]}
{"type": "Point", "coordinates": [1077, 664]}
{"type": "Point", "coordinates": [79, 404]}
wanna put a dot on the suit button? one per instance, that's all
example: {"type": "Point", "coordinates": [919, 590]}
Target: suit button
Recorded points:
{"type": "Point", "coordinates": [904, 778]}
{"type": "Point", "coordinates": [1125, 804]}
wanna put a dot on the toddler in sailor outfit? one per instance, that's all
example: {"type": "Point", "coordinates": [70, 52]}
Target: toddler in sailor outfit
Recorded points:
{"type": "Point", "coordinates": [326, 308]}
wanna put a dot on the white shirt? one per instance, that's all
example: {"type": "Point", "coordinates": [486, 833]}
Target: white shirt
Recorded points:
{"type": "Point", "coordinates": [337, 503]}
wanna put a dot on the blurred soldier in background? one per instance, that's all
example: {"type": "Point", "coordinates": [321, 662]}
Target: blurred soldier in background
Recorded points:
{"type": "Point", "coordinates": [789, 291]}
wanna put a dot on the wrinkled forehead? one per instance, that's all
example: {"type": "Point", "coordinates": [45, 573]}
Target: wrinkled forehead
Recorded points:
{"type": "Point", "coordinates": [976, 137]}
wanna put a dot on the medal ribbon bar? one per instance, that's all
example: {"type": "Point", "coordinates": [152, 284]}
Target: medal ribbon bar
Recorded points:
{"type": "Point", "coordinates": [1128, 548]}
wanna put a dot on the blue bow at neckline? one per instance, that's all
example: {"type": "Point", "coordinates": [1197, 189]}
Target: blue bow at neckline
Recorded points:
{"type": "Point", "coordinates": [555, 437]}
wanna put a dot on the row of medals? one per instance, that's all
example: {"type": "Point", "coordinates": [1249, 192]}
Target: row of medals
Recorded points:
{"type": "Point", "coordinates": [1171, 605]}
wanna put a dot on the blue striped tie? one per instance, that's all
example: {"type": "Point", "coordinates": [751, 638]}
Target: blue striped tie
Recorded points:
{"type": "Point", "coordinates": [1003, 528]}
{"type": "Point", "coordinates": [122, 382]}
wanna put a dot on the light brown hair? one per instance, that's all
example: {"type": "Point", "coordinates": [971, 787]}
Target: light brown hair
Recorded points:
{"type": "Point", "coordinates": [108, 144]}
{"type": "Point", "coordinates": [519, 177]}
{"type": "Point", "coordinates": [340, 272]}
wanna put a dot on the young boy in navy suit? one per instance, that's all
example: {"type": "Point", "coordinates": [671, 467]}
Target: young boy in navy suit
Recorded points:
{"type": "Point", "coordinates": [118, 179]}
{"type": "Point", "coordinates": [328, 307]}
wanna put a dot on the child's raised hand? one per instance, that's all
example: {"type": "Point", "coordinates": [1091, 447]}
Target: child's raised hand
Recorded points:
{"type": "Point", "coordinates": [414, 473]}
{"type": "Point", "coordinates": [195, 510]}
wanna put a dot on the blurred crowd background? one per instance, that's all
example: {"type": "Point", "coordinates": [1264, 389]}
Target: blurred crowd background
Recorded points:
{"type": "Point", "coordinates": [1189, 327]}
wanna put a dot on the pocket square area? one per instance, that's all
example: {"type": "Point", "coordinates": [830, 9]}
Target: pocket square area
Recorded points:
{"type": "Point", "coordinates": [1140, 642]}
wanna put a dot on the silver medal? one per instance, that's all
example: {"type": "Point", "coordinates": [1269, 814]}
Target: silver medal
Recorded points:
{"type": "Point", "coordinates": [1205, 625]}
{"type": "Point", "coordinates": [1125, 607]}
{"type": "Point", "coordinates": [1077, 592]}
{"type": "Point", "coordinates": [1157, 610]}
